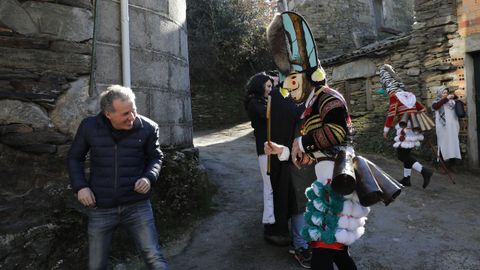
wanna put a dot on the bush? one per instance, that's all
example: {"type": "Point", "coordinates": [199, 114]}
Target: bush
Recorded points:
{"type": "Point", "coordinates": [227, 44]}
{"type": "Point", "coordinates": [183, 193]}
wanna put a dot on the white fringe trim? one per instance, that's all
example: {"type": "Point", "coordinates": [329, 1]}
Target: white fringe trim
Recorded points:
{"type": "Point", "coordinates": [412, 138]}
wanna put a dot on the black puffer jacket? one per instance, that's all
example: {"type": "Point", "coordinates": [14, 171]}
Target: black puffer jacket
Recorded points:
{"type": "Point", "coordinates": [117, 159]}
{"type": "Point", "coordinates": [257, 113]}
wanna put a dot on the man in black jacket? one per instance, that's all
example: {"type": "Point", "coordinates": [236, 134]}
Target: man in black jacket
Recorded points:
{"type": "Point", "coordinates": [125, 159]}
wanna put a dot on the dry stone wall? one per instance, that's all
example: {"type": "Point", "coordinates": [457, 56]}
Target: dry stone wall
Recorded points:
{"type": "Point", "coordinates": [43, 58]}
{"type": "Point", "coordinates": [344, 25]}
{"type": "Point", "coordinates": [422, 60]}
{"type": "Point", "coordinates": [51, 74]}
{"type": "Point", "coordinates": [46, 49]}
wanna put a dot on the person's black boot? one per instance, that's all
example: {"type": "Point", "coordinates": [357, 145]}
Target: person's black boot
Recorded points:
{"type": "Point", "coordinates": [427, 174]}
{"type": "Point", "coordinates": [406, 181]}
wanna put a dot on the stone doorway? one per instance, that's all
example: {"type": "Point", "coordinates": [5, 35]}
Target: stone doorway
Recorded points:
{"type": "Point", "coordinates": [472, 87]}
{"type": "Point", "coordinates": [357, 93]}
{"type": "Point", "coordinates": [476, 77]}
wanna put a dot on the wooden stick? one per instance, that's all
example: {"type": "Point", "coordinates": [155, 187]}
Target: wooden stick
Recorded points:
{"type": "Point", "coordinates": [442, 162]}
{"type": "Point", "coordinates": [269, 131]}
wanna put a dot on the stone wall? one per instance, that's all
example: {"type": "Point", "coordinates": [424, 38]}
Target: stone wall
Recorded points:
{"type": "Point", "coordinates": [465, 47]}
{"type": "Point", "coordinates": [159, 62]}
{"type": "Point", "coordinates": [422, 60]}
{"type": "Point", "coordinates": [367, 21]}
{"type": "Point", "coordinates": [46, 49]}
{"type": "Point", "coordinates": [51, 74]}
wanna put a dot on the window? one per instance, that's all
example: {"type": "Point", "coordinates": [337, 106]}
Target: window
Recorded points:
{"type": "Point", "coordinates": [378, 13]}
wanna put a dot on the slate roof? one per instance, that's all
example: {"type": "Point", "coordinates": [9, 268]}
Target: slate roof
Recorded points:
{"type": "Point", "coordinates": [376, 48]}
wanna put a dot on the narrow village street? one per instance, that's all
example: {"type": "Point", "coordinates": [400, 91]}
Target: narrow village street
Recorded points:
{"type": "Point", "coordinates": [84, 84]}
{"type": "Point", "coordinates": [437, 228]}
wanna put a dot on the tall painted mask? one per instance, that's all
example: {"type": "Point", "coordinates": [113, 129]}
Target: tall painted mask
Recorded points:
{"type": "Point", "coordinates": [295, 55]}
{"type": "Point", "coordinates": [390, 80]}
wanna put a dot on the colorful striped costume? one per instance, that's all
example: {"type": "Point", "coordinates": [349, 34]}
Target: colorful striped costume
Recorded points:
{"type": "Point", "coordinates": [326, 121]}
{"type": "Point", "coordinates": [332, 220]}
{"type": "Point", "coordinates": [405, 137]}
{"type": "Point", "coordinates": [402, 103]}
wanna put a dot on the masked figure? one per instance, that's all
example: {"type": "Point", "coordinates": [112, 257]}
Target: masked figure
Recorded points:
{"type": "Point", "coordinates": [405, 114]}
{"type": "Point", "coordinates": [332, 221]}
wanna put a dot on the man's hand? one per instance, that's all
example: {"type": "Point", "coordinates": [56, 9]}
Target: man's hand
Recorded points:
{"type": "Point", "coordinates": [385, 135]}
{"type": "Point", "coordinates": [306, 160]}
{"type": "Point", "coordinates": [85, 196]}
{"type": "Point", "coordinates": [142, 185]}
{"type": "Point", "coordinates": [297, 154]}
{"type": "Point", "coordinates": [272, 148]}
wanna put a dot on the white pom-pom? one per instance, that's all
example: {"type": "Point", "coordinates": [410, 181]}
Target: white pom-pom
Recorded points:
{"type": "Point", "coordinates": [347, 208]}
{"type": "Point", "coordinates": [343, 222]}
{"type": "Point", "coordinates": [359, 211]}
{"type": "Point", "coordinates": [362, 221]}
{"type": "Point", "coordinates": [345, 237]}
{"type": "Point", "coordinates": [316, 186]}
{"type": "Point", "coordinates": [350, 223]}
{"type": "Point", "coordinates": [358, 233]}
{"type": "Point", "coordinates": [317, 219]}
{"type": "Point", "coordinates": [318, 204]}
{"type": "Point", "coordinates": [355, 197]}
{"type": "Point", "coordinates": [315, 234]}
{"type": "Point", "coordinates": [341, 235]}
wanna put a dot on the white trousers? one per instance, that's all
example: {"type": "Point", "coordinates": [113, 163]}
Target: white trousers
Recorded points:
{"type": "Point", "coordinates": [268, 215]}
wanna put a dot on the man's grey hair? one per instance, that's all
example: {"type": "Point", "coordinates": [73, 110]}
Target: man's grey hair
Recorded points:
{"type": "Point", "coordinates": [115, 92]}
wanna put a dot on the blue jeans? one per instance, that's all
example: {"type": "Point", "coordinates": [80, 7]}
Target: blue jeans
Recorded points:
{"type": "Point", "coordinates": [297, 222]}
{"type": "Point", "coordinates": [137, 219]}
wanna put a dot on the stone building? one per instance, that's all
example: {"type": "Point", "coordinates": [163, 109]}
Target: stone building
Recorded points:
{"type": "Point", "coordinates": [443, 48]}
{"type": "Point", "coordinates": [56, 58]}
{"type": "Point", "coordinates": [344, 25]}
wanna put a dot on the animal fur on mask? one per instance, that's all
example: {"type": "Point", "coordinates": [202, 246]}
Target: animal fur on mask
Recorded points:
{"type": "Point", "coordinates": [278, 45]}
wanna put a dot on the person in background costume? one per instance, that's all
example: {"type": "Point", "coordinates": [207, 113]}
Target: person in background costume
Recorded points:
{"type": "Point", "coordinates": [258, 88]}
{"type": "Point", "coordinates": [402, 105]}
{"type": "Point", "coordinates": [332, 221]}
{"type": "Point", "coordinates": [447, 127]}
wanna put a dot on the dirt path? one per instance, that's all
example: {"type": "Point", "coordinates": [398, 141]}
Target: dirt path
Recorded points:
{"type": "Point", "coordinates": [437, 228]}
